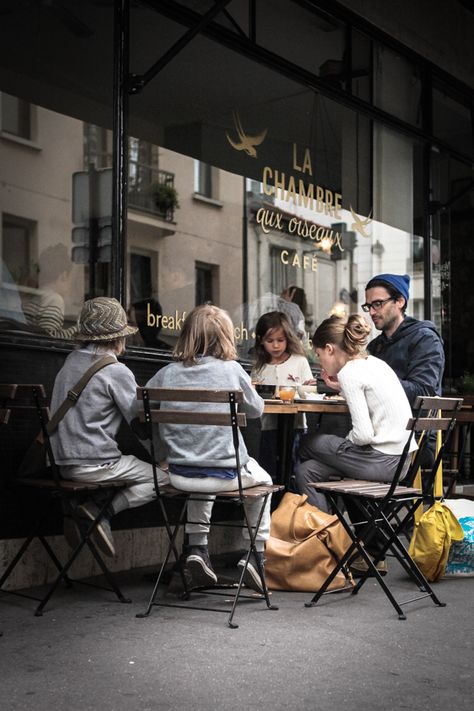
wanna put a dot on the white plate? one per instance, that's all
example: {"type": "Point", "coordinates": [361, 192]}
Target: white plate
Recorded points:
{"type": "Point", "coordinates": [319, 397]}
{"type": "Point", "coordinates": [311, 397]}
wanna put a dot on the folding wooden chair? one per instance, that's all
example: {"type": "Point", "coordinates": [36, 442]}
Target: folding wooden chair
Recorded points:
{"type": "Point", "coordinates": [19, 400]}
{"type": "Point", "coordinates": [387, 509]}
{"type": "Point", "coordinates": [152, 399]}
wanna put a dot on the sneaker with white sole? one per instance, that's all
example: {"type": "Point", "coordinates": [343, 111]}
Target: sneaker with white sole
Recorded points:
{"type": "Point", "coordinates": [252, 576]}
{"type": "Point", "coordinates": [359, 567]}
{"type": "Point", "coordinates": [102, 535]}
{"type": "Point", "coordinates": [199, 566]}
{"type": "Point", "coordinates": [72, 532]}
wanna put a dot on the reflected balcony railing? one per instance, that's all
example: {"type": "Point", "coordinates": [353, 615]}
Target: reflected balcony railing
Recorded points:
{"type": "Point", "coordinates": [152, 190]}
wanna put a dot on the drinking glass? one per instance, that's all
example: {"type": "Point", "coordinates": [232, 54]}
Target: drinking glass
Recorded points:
{"type": "Point", "coordinates": [287, 393]}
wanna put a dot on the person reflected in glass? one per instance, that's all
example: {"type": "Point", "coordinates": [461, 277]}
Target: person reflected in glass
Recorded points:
{"type": "Point", "coordinates": [45, 307]}
{"type": "Point", "coordinates": [279, 360]}
{"type": "Point", "coordinates": [292, 302]}
{"type": "Point", "coordinates": [146, 315]}
{"type": "Point", "coordinates": [11, 312]}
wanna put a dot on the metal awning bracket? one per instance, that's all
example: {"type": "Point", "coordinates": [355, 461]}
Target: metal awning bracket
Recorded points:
{"type": "Point", "coordinates": [138, 82]}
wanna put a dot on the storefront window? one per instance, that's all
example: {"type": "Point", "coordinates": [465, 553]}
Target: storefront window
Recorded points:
{"type": "Point", "coordinates": [242, 180]}
{"type": "Point", "coordinates": [453, 122]}
{"type": "Point", "coordinates": [45, 279]}
{"type": "Point", "coordinates": [398, 245]}
{"type": "Point", "coordinates": [397, 85]}
{"type": "Point", "coordinates": [292, 171]}
{"type": "Point", "coordinates": [309, 38]}
{"type": "Point", "coordinates": [361, 66]}
{"type": "Point", "coordinates": [452, 254]}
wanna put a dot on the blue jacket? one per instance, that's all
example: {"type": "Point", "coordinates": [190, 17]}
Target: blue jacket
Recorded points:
{"type": "Point", "coordinates": [415, 352]}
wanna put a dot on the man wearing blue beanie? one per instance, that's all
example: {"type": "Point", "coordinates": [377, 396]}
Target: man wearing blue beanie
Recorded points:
{"type": "Point", "coordinates": [413, 348]}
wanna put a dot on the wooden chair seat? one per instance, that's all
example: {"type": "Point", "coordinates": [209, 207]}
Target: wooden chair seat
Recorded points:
{"type": "Point", "coordinates": [368, 489]}
{"type": "Point", "coordinates": [72, 487]}
{"type": "Point", "coordinates": [251, 492]}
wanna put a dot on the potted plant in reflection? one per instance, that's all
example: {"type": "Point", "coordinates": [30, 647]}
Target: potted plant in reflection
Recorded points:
{"type": "Point", "coordinates": [164, 195]}
{"type": "Point", "coordinates": [466, 383]}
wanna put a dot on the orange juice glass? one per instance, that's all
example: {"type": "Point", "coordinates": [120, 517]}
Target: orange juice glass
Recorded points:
{"type": "Point", "coordinates": [287, 393]}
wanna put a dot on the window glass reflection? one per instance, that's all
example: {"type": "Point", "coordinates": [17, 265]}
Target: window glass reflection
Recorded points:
{"type": "Point", "coordinates": [397, 85]}
{"type": "Point", "coordinates": [453, 122]}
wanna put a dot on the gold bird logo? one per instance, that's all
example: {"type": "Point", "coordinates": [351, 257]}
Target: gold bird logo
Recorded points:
{"type": "Point", "coordinates": [247, 143]}
{"type": "Point", "coordinates": [359, 224]}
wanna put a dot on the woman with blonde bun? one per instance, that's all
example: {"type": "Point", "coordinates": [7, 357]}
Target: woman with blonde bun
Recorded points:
{"type": "Point", "coordinates": [378, 407]}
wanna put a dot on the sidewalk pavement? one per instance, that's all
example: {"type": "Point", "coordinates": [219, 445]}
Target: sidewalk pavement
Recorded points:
{"type": "Point", "coordinates": [89, 651]}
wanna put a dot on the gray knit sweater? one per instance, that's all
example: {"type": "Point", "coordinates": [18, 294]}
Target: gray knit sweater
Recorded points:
{"type": "Point", "coordinates": [199, 445]}
{"type": "Point", "coordinates": [86, 435]}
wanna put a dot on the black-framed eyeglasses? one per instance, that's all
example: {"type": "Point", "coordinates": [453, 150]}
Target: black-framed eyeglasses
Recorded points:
{"type": "Point", "coordinates": [377, 304]}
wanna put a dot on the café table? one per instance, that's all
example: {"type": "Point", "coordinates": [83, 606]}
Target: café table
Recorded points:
{"type": "Point", "coordinates": [286, 412]}
{"type": "Point", "coordinates": [461, 444]}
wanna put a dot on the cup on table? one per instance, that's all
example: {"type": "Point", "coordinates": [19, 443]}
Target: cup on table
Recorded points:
{"type": "Point", "coordinates": [264, 390]}
{"type": "Point", "coordinates": [305, 390]}
{"type": "Point", "coordinates": [287, 393]}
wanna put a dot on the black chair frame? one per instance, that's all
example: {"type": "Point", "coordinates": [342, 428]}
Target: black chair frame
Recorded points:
{"type": "Point", "coordinates": [382, 505]}
{"type": "Point", "coordinates": [21, 398]}
{"type": "Point", "coordinates": [152, 399]}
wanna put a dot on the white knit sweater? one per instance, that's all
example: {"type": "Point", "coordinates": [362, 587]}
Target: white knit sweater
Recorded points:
{"type": "Point", "coordinates": [378, 405]}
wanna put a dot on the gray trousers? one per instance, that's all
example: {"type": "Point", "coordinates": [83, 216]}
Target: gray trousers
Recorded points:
{"type": "Point", "coordinates": [324, 456]}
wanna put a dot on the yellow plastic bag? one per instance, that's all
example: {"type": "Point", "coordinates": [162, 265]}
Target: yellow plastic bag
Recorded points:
{"type": "Point", "coordinates": [431, 540]}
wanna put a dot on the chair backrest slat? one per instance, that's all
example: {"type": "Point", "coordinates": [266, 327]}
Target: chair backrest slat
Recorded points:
{"type": "Point", "coordinates": [23, 396]}
{"type": "Point", "coordinates": [7, 393]}
{"type": "Point", "coordinates": [429, 423]}
{"type": "Point", "coordinates": [438, 403]}
{"type": "Point", "coordinates": [188, 417]}
{"type": "Point", "coordinates": [4, 415]}
{"type": "Point", "coordinates": [190, 395]}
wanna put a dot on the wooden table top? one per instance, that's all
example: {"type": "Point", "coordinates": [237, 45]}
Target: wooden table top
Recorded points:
{"type": "Point", "coordinates": [278, 407]}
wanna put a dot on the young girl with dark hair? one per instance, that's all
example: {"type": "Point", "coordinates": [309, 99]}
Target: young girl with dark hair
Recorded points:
{"type": "Point", "coordinates": [279, 360]}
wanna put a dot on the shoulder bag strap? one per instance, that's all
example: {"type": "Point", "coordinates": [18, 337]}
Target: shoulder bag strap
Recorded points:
{"type": "Point", "coordinates": [74, 393]}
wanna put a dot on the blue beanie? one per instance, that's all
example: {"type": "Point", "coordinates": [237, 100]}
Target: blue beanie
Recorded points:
{"type": "Point", "coordinates": [400, 282]}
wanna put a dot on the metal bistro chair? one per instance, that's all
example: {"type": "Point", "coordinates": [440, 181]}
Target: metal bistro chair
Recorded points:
{"type": "Point", "coordinates": [21, 400]}
{"type": "Point", "coordinates": [388, 509]}
{"type": "Point", "coordinates": [229, 417]}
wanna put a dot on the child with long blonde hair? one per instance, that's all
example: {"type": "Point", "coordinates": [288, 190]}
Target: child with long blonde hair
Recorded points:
{"type": "Point", "coordinates": [202, 458]}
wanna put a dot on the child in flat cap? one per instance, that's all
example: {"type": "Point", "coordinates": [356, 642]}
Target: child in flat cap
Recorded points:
{"type": "Point", "coordinates": [84, 443]}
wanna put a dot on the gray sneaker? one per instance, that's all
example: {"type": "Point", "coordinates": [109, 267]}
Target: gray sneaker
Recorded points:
{"type": "Point", "coordinates": [199, 566]}
{"type": "Point", "coordinates": [72, 532]}
{"type": "Point", "coordinates": [102, 535]}
{"type": "Point", "coordinates": [252, 576]}
{"type": "Point", "coordinates": [359, 567]}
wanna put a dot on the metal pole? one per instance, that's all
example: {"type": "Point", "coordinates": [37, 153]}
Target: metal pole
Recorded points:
{"type": "Point", "coordinates": [120, 148]}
